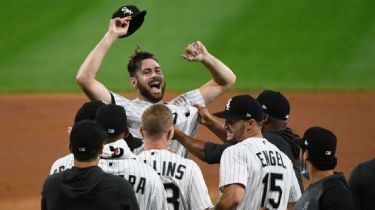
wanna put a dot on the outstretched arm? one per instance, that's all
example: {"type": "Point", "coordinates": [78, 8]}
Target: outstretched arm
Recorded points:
{"type": "Point", "coordinates": [222, 76]}
{"type": "Point", "coordinates": [195, 146]}
{"type": "Point", "coordinates": [208, 120]}
{"type": "Point", "coordinates": [86, 76]}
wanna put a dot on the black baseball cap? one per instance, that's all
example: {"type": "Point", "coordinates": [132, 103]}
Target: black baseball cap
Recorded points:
{"type": "Point", "coordinates": [137, 17]}
{"type": "Point", "coordinates": [88, 111]}
{"type": "Point", "coordinates": [321, 145]}
{"type": "Point", "coordinates": [241, 107]}
{"type": "Point", "coordinates": [112, 118]}
{"type": "Point", "coordinates": [274, 104]}
{"type": "Point", "coordinates": [86, 138]}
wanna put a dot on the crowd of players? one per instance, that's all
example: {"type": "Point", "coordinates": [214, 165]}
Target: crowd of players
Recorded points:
{"type": "Point", "coordinates": [132, 154]}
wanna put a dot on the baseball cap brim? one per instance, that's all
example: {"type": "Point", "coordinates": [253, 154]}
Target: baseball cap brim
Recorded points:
{"type": "Point", "coordinates": [135, 23]}
{"type": "Point", "coordinates": [226, 115]}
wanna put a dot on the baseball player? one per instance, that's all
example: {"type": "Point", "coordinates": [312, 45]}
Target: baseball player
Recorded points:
{"type": "Point", "coordinates": [117, 159]}
{"type": "Point", "coordinates": [182, 178]}
{"type": "Point", "coordinates": [328, 190]}
{"type": "Point", "coordinates": [86, 186]}
{"type": "Point", "coordinates": [146, 76]}
{"type": "Point", "coordinates": [275, 129]}
{"type": "Point", "coordinates": [253, 173]}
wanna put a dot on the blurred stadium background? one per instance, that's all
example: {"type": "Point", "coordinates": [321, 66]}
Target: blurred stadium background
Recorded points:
{"type": "Point", "coordinates": [290, 44]}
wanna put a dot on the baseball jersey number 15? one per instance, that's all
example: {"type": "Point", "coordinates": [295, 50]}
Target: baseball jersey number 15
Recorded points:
{"type": "Point", "coordinates": [270, 180]}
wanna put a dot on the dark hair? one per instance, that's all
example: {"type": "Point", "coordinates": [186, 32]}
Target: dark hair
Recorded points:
{"type": "Point", "coordinates": [135, 60]}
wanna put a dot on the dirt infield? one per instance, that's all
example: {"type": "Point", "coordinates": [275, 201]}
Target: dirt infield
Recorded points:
{"type": "Point", "coordinates": [33, 135]}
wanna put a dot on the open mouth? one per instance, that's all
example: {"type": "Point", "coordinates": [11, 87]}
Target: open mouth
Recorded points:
{"type": "Point", "coordinates": [155, 86]}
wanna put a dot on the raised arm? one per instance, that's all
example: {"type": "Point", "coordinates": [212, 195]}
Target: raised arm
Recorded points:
{"type": "Point", "coordinates": [222, 76]}
{"type": "Point", "coordinates": [86, 76]}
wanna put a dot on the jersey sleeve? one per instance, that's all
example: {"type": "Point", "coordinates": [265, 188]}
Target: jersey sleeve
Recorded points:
{"type": "Point", "coordinates": [62, 164]}
{"type": "Point", "coordinates": [189, 98]}
{"type": "Point", "coordinates": [199, 197]}
{"type": "Point", "coordinates": [295, 190]}
{"type": "Point", "coordinates": [213, 152]}
{"type": "Point", "coordinates": [233, 168]}
{"type": "Point", "coordinates": [118, 99]}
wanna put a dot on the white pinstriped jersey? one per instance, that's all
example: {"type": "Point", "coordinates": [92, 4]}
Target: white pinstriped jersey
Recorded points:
{"type": "Point", "coordinates": [265, 171]}
{"type": "Point", "coordinates": [182, 178]}
{"type": "Point", "coordinates": [186, 116]}
{"type": "Point", "coordinates": [147, 185]}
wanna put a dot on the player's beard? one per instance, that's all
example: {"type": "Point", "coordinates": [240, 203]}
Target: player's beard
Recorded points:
{"type": "Point", "coordinates": [236, 134]}
{"type": "Point", "coordinates": [144, 91]}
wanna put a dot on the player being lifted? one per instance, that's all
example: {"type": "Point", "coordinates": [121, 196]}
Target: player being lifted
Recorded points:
{"type": "Point", "coordinates": [146, 76]}
{"type": "Point", "coordinates": [253, 173]}
{"type": "Point", "coordinates": [182, 178]}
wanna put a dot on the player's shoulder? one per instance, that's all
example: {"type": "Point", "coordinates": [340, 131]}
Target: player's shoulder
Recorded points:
{"type": "Point", "coordinates": [251, 143]}
{"type": "Point", "coordinates": [189, 98]}
{"type": "Point", "coordinates": [66, 162]}
{"type": "Point", "coordinates": [143, 167]}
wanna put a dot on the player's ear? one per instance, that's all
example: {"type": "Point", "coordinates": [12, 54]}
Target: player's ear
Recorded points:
{"type": "Point", "coordinates": [250, 123]}
{"type": "Point", "coordinates": [305, 155]}
{"type": "Point", "coordinates": [170, 133]}
{"type": "Point", "coordinates": [133, 82]}
{"type": "Point", "coordinates": [142, 131]}
{"type": "Point", "coordinates": [126, 133]}
{"type": "Point", "coordinates": [266, 118]}
{"type": "Point", "coordinates": [101, 149]}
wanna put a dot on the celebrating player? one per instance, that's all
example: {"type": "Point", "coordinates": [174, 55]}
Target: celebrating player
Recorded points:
{"type": "Point", "coordinates": [276, 110]}
{"type": "Point", "coordinates": [146, 76]}
{"type": "Point", "coordinates": [253, 173]}
{"type": "Point", "coordinates": [182, 178]}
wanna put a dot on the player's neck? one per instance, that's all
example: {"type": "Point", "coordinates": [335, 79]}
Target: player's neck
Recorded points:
{"type": "Point", "coordinates": [317, 175]}
{"type": "Point", "coordinates": [80, 164]}
{"type": "Point", "coordinates": [253, 134]}
{"type": "Point", "coordinates": [155, 144]}
{"type": "Point", "coordinates": [143, 98]}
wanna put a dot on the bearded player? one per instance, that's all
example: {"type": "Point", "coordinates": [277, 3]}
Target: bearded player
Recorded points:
{"type": "Point", "coordinates": [146, 76]}
{"type": "Point", "coordinates": [253, 173]}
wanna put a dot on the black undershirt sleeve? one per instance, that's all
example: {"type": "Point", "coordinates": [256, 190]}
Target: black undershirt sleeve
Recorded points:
{"type": "Point", "coordinates": [213, 152]}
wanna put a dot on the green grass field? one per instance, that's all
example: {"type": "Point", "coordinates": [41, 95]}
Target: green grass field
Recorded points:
{"type": "Point", "coordinates": [288, 45]}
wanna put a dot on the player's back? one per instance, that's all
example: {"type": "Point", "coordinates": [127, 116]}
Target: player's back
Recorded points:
{"type": "Point", "coordinates": [182, 178]}
{"type": "Point", "coordinates": [266, 171]}
{"type": "Point", "coordinates": [146, 183]}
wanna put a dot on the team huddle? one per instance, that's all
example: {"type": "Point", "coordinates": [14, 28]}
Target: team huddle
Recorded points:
{"type": "Point", "coordinates": [132, 153]}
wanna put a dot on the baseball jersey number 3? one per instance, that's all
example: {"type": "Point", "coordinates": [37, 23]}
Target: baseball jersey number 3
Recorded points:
{"type": "Point", "coordinates": [174, 199]}
{"type": "Point", "coordinates": [270, 178]}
